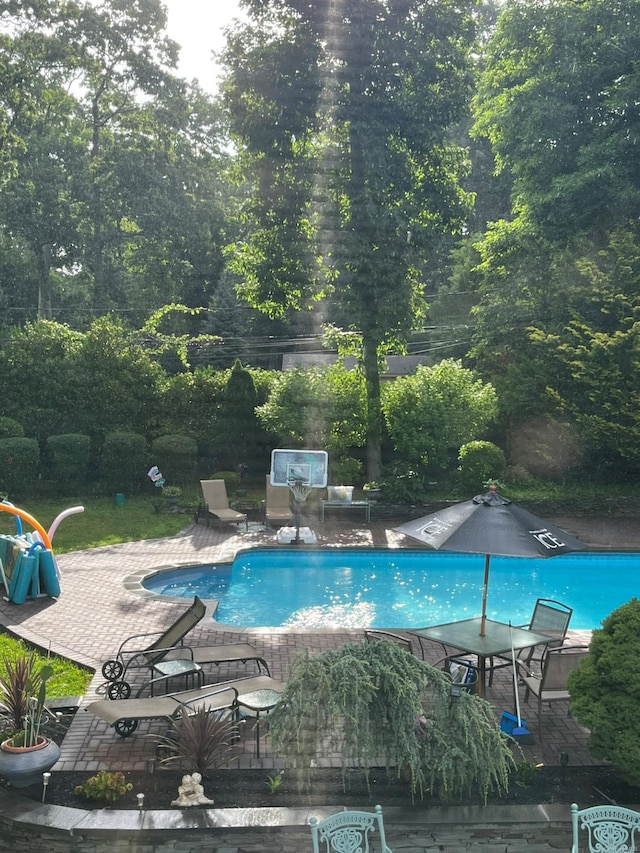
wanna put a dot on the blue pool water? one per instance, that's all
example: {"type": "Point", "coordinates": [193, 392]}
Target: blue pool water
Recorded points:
{"type": "Point", "coordinates": [400, 589]}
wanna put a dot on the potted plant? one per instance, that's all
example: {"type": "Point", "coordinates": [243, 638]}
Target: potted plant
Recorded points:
{"type": "Point", "coordinates": [372, 490]}
{"type": "Point", "coordinates": [173, 495]}
{"type": "Point", "coordinates": [27, 753]}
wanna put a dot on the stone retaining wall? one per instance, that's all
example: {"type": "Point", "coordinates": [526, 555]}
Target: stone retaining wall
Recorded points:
{"type": "Point", "coordinates": [28, 827]}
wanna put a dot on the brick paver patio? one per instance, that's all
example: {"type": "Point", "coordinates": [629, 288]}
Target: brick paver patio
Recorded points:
{"type": "Point", "coordinates": [95, 612]}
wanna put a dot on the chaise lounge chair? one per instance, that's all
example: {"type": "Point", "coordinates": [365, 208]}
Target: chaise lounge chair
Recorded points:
{"type": "Point", "coordinates": [169, 645]}
{"type": "Point", "coordinates": [125, 714]}
{"type": "Point", "coordinates": [277, 505]}
{"type": "Point", "coordinates": [216, 504]}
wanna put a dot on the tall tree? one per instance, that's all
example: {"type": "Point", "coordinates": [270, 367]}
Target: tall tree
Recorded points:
{"type": "Point", "coordinates": [555, 103]}
{"type": "Point", "coordinates": [341, 113]}
{"type": "Point", "coordinates": [121, 56]}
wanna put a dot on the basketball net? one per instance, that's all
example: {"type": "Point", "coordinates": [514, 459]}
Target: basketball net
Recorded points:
{"type": "Point", "coordinates": [299, 490]}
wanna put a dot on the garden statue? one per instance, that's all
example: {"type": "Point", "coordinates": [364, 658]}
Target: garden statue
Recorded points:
{"type": "Point", "coordinates": [191, 792]}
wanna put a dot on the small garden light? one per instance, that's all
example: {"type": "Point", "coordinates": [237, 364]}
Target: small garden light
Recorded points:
{"type": "Point", "coordinates": [140, 798]}
{"type": "Point", "coordinates": [45, 782]}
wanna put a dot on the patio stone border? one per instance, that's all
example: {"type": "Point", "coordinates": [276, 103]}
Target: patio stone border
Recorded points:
{"type": "Point", "coordinates": [26, 825]}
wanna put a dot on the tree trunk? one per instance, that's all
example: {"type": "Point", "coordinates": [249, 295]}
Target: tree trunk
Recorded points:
{"type": "Point", "coordinates": [45, 311]}
{"type": "Point", "coordinates": [374, 411]}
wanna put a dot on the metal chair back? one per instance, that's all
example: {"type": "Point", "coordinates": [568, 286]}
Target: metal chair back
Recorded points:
{"type": "Point", "coordinates": [556, 666]}
{"type": "Point", "coordinates": [349, 832]}
{"type": "Point", "coordinates": [609, 829]}
{"type": "Point", "coordinates": [373, 634]}
{"type": "Point", "coordinates": [551, 618]}
{"type": "Point", "coordinates": [177, 632]}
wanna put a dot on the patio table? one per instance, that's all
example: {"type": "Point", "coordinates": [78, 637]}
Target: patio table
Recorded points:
{"type": "Point", "coordinates": [259, 702]}
{"type": "Point", "coordinates": [465, 636]}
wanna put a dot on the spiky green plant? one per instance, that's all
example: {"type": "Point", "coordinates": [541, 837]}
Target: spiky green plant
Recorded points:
{"type": "Point", "coordinates": [22, 697]}
{"type": "Point", "coordinates": [375, 704]}
{"type": "Point", "coordinates": [199, 742]}
{"type": "Point", "coordinates": [14, 696]}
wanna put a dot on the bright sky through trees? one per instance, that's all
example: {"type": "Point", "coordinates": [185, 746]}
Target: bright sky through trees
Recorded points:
{"type": "Point", "coordinates": [197, 27]}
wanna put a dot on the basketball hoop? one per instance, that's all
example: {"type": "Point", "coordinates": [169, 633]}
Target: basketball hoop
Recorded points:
{"type": "Point", "coordinates": [300, 490]}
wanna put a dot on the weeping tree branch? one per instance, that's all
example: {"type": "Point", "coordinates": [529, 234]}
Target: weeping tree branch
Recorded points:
{"type": "Point", "coordinates": [378, 705]}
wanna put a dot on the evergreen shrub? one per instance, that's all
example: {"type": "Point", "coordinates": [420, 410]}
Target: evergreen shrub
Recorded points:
{"type": "Point", "coordinates": [19, 461]}
{"type": "Point", "coordinates": [176, 456]}
{"type": "Point", "coordinates": [231, 480]}
{"type": "Point", "coordinates": [345, 470]}
{"type": "Point", "coordinates": [479, 461]}
{"type": "Point", "coordinates": [378, 703]}
{"type": "Point", "coordinates": [123, 462]}
{"type": "Point", "coordinates": [605, 692]}
{"type": "Point", "coordinates": [68, 462]}
{"type": "Point", "coordinates": [9, 428]}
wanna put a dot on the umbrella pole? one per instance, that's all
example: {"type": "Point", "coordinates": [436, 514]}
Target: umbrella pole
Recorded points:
{"type": "Point", "coordinates": [484, 595]}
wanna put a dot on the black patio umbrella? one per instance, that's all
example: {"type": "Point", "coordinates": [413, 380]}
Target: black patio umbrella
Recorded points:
{"type": "Point", "coordinates": [492, 525]}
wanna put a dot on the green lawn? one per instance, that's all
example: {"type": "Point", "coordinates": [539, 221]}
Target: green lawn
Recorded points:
{"type": "Point", "coordinates": [101, 523]}
{"type": "Point", "coordinates": [68, 679]}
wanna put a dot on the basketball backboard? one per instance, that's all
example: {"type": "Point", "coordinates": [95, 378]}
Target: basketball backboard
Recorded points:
{"type": "Point", "coordinates": [308, 467]}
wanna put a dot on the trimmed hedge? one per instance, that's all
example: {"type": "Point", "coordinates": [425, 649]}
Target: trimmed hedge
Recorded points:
{"type": "Point", "coordinates": [68, 462]}
{"type": "Point", "coordinates": [10, 428]}
{"type": "Point", "coordinates": [19, 461]}
{"type": "Point", "coordinates": [176, 456]}
{"type": "Point", "coordinates": [124, 462]}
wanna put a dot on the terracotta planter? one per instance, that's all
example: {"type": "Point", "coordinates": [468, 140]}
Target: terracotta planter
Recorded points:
{"type": "Point", "coordinates": [24, 765]}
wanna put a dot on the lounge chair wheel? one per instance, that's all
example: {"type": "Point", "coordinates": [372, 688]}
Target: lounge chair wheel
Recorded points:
{"type": "Point", "coordinates": [119, 690]}
{"type": "Point", "coordinates": [112, 670]}
{"type": "Point", "coordinates": [125, 728]}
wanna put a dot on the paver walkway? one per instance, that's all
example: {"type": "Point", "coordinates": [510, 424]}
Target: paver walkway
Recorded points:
{"type": "Point", "coordinates": [95, 612]}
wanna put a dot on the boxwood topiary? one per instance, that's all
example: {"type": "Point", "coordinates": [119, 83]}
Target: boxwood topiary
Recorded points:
{"type": "Point", "coordinates": [605, 691]}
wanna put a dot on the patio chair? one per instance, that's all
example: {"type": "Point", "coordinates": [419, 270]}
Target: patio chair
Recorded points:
{"type": "Point", "coordinates": [550, 618]}
{"type": "Point", "coordinates": [216, 504]}
{"type": "Point", "coordinates": [277, 505]}
{"type": "Point", "coordinates": [551, 684]}
{"type": "Point", "coordinates": [373, 634]}
{"type": "Point", "coordinates": [609, 829]}
{"type": "Point", "coordinates": [125, 714]}
{"type": "Point", "coordinates": [349, 832]}
{"type": "Point", "coordinates": [138, 652]}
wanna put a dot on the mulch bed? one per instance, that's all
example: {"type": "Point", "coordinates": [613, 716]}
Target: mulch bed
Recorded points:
{"type": "Point", "coordinates": [249, 788]}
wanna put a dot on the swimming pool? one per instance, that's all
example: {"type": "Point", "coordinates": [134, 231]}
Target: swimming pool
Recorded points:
{"type": "Point", "coordinates": [357, 588]}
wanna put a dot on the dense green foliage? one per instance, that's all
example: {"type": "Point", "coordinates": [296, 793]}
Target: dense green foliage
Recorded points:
{"type": "Point", "coordinates": [344, 198]}
{"type": "Point", "coordinates": [364, 93]}
{"type": "Point", "coordinates": [320, 408]}
{"type": "Point", "coordinates": [123, 462]}
{"type": "Point", "coordinates": [435, 411]}
{"type": "Point", "coordinates": [605, 691]}
{"type": "Point", "coordinates": [375, 702]}
{"type": "Point", "coordinates": [478, 462]}
{"type": "Point", "coordinates": [110, 164]}
{"type": "Point", "coordinates": [67, 462]}
{"type": "Point", "coordinates": [557, 321]}
{"type": "Point", "coordinates": [19, 461]}
{"type": "Point", "coordinates": [176, 456]}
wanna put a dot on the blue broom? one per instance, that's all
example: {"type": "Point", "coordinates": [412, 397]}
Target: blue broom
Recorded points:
{"type": "Point", "coordinates": [519, 731]}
